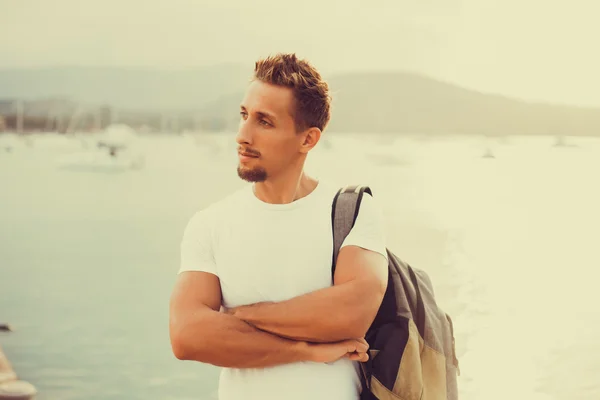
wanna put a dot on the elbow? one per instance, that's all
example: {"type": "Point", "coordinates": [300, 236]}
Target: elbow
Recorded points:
{"type": "Point", "coordinates": [353, 324]}
{"type": "Point", "coordinates": [178, 344]}
{"type": "Point", "coordinates": [181, 345]}
{"type": "Point", "coordinates": [179, 351]}
{"type": "Point", "coordinates": [359, 320]}
{"type": "Point", "coordinates": [189, 337]}
{"type": "Point", "coordinates": [358, 326]}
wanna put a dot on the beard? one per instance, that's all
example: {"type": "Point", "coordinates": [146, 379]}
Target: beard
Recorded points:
{"type": "Point", "coordinates": [257, 174]}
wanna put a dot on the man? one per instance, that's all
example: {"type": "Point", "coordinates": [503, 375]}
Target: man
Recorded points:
{"type": "Point", "coordinates": [254, 293]}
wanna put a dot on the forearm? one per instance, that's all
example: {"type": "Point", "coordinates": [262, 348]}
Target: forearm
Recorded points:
{"type": "Point", "coordinates": [326, 315]}
{"type": "Point", "coordinates": [225, 341]}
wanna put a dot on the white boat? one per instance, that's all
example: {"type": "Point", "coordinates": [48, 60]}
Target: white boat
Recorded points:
{"type": "Point", "coordinates": [117, 135]}
{"type": "Point", "coordinates": [488, 153]}
{"type": "Point", "coordinates": [10, 142]}
{"type": "Point", "coordinates": [387, 159]}
{"type": "Point", "coordinates": [107, 151]}
{"type": "Point", "coordinates": [100, 161]}
{"type": "Point", "coordinates": [561, 141]}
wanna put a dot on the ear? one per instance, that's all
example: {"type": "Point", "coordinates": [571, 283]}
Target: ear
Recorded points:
{"type": "Point", "coordinates": [310, 138]}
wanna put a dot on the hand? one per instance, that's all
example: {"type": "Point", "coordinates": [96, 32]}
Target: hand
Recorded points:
{"type": "Point", "coordinates": [238, 312]}
{"type": "Point", "coordinates": [230, 311]}
{"type": "Point", "coordinates": [354, 349]}
{"type": "Point", "coordinates": [242, 312]}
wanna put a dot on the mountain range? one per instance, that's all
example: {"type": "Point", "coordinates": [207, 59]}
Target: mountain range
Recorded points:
{"type": "Point", "coordinates": [208, 98]}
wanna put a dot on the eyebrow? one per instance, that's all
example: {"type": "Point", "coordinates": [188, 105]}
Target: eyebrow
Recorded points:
{"type": "Point", "coordinates": [262, 114]}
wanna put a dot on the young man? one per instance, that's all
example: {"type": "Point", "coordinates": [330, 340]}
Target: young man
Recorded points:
{"type": "Point", "coordinates": [254, 293]}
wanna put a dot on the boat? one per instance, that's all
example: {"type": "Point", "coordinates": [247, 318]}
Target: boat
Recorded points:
{"type": "Point", "coordinates": [101, 161]}
{"type": "Point", "coordinates": [561, 141]}
{"type": "Point", "coordinates": [111, 153]}
{"type": "Point", "coordinates": [488, 153]}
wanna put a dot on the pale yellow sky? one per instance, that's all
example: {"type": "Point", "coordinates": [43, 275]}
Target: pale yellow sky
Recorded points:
{"type": "Point", "coordinates": [533, 49]}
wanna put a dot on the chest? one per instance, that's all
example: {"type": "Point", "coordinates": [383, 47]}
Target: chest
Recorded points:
{"type": "Point", "coordinates": [275, 258]}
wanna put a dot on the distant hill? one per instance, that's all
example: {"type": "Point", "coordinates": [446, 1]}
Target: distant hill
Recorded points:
{"type": "Point", "coordinates": [406, 102]}
{"type": "Point", "coordinates": [208, 98]}
{"type": "Point", "coordinates": [129, 88]}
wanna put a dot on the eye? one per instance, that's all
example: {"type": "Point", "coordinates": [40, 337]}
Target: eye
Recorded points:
{"type": "Point", "coordinates": [264, 123]}
{"type": "Point", "coordinates": [244, 114]}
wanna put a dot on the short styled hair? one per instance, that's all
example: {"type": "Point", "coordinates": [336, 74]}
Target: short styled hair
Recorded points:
{"type": "Point", "coordinates": [313, 101]}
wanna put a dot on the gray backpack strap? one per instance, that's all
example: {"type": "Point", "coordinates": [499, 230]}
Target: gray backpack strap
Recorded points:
{"type": "Point", "coordinates": [343, 215]}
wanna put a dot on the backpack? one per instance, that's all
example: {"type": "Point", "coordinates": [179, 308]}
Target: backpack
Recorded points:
{"type": "Point", "coordinates": [411, 341]}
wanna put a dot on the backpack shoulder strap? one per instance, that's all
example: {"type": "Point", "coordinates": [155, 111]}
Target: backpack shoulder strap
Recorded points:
{"type": "Point", "coordinates": [344, 211]}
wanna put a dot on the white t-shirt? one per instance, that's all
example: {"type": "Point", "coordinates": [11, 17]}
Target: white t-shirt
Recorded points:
{"type": "Point", "coordinates": [274, 252]}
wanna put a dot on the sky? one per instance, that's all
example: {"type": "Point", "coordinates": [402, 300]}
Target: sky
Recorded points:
{"type": "Point", "coordinates": [533, 49]}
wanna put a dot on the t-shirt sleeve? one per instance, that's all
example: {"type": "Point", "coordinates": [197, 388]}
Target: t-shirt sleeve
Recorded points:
{"type": "Point", "coordinates": [196, 248]}
{"type": "Point", "coordinates": [368, 231]}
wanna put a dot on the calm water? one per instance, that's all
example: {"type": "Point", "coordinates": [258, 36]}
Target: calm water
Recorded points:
{"type": "Point", "coordinates": [88, 259]}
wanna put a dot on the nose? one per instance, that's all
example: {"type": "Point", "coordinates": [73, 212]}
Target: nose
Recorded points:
{"type": "Point", "coordinates": [244, 135]}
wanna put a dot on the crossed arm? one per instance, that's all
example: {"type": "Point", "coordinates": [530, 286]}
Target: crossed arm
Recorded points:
{"type": "Point", "coordinates": [343, 311]}
{"type": "Point", "coordinates": [268, 334]}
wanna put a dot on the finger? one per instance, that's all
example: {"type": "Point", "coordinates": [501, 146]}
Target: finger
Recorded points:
{"type": "Point", "coordinates": [362, 357]}
{"type": "Point", "coordinates": [351, 346]}
{"type": "Point", "coordinates": [362, 347]}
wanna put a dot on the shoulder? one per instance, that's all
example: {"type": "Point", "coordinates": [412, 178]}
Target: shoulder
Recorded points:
{"type": "Point", "coordinates": [368, 202]}
{"type": "Point", "coordinates": [370, 205]}
{"type": "Point", "coordinates": [368, 231]}
{"type": "Point", "coordinates": [370, 213]}
{"type": "Point", "coordinates": [216, 211]}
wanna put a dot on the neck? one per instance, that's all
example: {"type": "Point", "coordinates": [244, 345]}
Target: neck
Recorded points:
{"type": "Point", "coordinates": [286, 189]}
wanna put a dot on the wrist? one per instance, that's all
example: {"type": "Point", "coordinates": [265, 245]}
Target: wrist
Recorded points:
{"type": "Point", "coordinates": [305, 351]}
{"type": "Point", "coordinates": [240, 313]}
{"type": "Point", "coordinates": [251, 313]}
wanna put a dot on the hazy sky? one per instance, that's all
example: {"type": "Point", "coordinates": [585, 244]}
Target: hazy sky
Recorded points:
{"type": "Point", "coordinates": [536, 49]}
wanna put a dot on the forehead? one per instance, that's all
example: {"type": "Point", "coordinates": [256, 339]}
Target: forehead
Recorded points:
{"type": "Point", "coordinates": [272, 99]}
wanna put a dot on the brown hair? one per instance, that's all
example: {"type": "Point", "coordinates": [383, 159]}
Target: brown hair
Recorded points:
{"type": "Point", "coordinates": [310, 90]}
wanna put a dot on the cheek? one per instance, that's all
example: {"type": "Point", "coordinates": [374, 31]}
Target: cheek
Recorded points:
{"type": "Point", "coordinates": [277, 148]}
{"type": "Point", "coordinates": [284, 153]}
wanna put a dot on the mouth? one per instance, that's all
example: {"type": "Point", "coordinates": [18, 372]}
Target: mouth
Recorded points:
{"type": "Point", "coordinates": [245, 157]}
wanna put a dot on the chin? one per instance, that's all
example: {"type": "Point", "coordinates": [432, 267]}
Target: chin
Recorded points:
{"type": "Point", "coordinates": [252, 174]}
